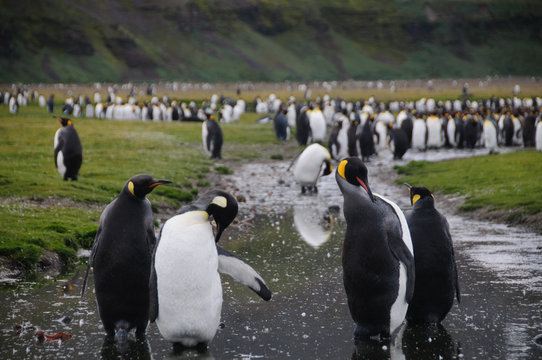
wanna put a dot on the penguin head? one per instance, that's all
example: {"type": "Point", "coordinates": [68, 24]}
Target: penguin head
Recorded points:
{"type": "Point", "coordinates": [64, 121]}
{"type": "Point", "coordinates": [141, 185]}
{"type": "Point", "coordinates": [328, 168]}
{"type": "Point", "coordinates": [418, 193]}
{"type": "Point", "coordinates": [354, 171]}
{"type": "Point", "coordinates": [222, 206]}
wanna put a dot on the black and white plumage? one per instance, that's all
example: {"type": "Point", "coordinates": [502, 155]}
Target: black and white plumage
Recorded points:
{"type": "Point", "coordinates": [280, 124]}
{"type": "Point", "coordinates": [436, 271]}
{"type": "Point", "coordinates": [68, 155]}
{"type": "Point", "coordinates": [377, 258]}
{"type": "Point", "coordinates": [186, 291]}
{"type": "Point", "coordinates": [212, 138]}
{"type": "Point", "coordinates": [121, 258]}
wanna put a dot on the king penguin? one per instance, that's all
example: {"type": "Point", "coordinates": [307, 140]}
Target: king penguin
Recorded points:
{"type": "Point", "coordinates": [121, 258]}
{"type": "Point", "coordinates": [377, 256]}
{"type": "Point", "coordinates": [308, 166]}
{"type": "Point", "coordinates": [212, 138]}
{"type": "Point", "coordinates": [490, 134]}
{"type": "Point", "coordinates": [186, 292]}
{"type": "Point", "coordinates": [436, 270]}
{"type": "Point", "coordinates": [68, 150]}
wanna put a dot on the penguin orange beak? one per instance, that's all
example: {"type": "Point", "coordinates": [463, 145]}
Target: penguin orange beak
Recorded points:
{"type": "Point", "coordinates": [159, 182]}
{"type": "Point", "coordinates": [363, 185]}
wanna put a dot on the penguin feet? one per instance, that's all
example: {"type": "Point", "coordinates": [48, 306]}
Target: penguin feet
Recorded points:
{"type": "Point", "coordinates": [179, 348]}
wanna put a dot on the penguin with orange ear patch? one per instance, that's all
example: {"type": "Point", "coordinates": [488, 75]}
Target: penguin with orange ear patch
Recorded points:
{"type": "Point", "coordinates": [377, 257]}
{"type": "Point", "coordinates": [68, 150]}
{"type": "Point", "coordinates": [121, 257]}
{"type": "Point", "coordinates": [436, 270]}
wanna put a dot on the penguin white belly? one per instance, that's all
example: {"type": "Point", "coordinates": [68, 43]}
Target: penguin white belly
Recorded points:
{"type": "Point", "coordinates": [490, 136]}
{"type": "Point", "coordinates": [188, 283]}
{"type": "Point", "coordinates": [204, 133]}
{"type": "Point", "coordinates": [433, 134]}
{"type": "Point", "coordinates": [60, 163]}
{"type": "Point", "coordinates": [400, 306]}
{"type": "Point", "coordinates": [318, 126]}
{"type": "Point", "coordinates": [418, 135]}
{"type": "Point", "coordinates": [450, 128]}
{"type": "Point", "coordinates": [538, 136]}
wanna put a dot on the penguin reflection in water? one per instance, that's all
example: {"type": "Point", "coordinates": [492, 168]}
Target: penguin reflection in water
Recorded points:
{"type": "Point", "coordinates": [377, 258]}
{"type": "Point", "coordinates": [121, 258]}
{"type": "Point", "coordinates": [68, 150]}
{"type": "Point", "coordinates": [186, 291]}
{"type": "Point", "coordinates": [309, 165]}
{"type": "Point", "coordinates": [436, 270]}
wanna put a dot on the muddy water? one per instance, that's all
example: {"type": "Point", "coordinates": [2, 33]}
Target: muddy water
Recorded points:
{"type": "Point", "coordinates": [295, 242]}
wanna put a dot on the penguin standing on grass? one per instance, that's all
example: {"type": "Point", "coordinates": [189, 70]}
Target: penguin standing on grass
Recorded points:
{"type": "Point", "coordinates": [377, 257]}
{"type": "Point", "coordinates": [68, 150]}
{"type": "Point", "coordinates": [280, 124]}
{"type": "Point", "coordinates": [436, 271]}
{"type": "Point", "coordinates": [186, 292]}
{"type": "Point", "coordinates": [211, 135]}
{"type": "Point", "coordinates": [121, 258]}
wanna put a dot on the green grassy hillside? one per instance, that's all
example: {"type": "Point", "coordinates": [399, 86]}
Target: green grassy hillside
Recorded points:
{"type": "Point", "coordinates": [196, 40]}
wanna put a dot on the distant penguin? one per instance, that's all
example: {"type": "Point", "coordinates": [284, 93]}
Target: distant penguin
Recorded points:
{"type": "Point", "coordinates": [407, 125]}
{"type": "Point", "coordinates": [538, 134]}
{"type": "Point", "coordinates": [186, 291]}
{"type": "Point", "coordinates": [507, 128]}
{"type": "Point", "coordinates": [529, 129]}
{"type": "Point", "coordinates": [352, 139]}
{"type": "Point", "coordinates": [338, 138]}
{"type": "Point", "coordinates": [121, 258]}
{"type": "Point", "coordinates": [365, 137]}
{"type": "Point", "coordinates": [302, 127]}
{"type": "Point", "coordinates": [377, 256]}
{"type": "Point", "coordinates": [419, 135]}
{"type": "Point", "coordinates": [436, 271]}
{"type": "Point", "coordinates": [398, 143]}
{"type": "Point", "coordinates": [308, 166]}
{"type": "Point", "coordinates": [317, 124]}
{"type": "Point", "coordinates": [211, 134]}
{"type": "Point", "coordinates": [490, 135]}
{"type": "Point", "coordinates": [68, 150]}
{"type": "Point", "coordinates": [434, 132]}
{"type": "Point", "coordinates": [472, 131]}
{"type": "Point", "coordinates": [280, 124]}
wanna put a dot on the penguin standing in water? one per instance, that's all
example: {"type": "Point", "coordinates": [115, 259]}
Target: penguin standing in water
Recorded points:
{"type": "Point", "coordinates": [398, 142]}
{"type": "Point", "coordinates": [377, 257]}
{"type": "Point", "coordinates": [121, 258]}
{"type": "Point", "coordinates": [211, 135]}
{"type": "Point", "coordinates": [308, 166]}
{"type": "Point", "coordinates": [68, 150]}
{"type": "Point", "coordinates": [436, 270]}
{"type": "Point", "coordinates": [186, 292]}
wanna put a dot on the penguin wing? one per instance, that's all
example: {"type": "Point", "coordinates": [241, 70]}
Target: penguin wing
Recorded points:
{"type": "Point", "coordinates": [91, 258]}
{"type": "Point", "coordinates": [402, 253]}
{"type": "Point", "coordinates": [242, 272]}
{"type": "Point", "coordinates": [456, 277]}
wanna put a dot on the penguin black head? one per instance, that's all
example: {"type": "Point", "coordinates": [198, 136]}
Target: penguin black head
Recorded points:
{"type": "Point", "coordinates": [329, 167]}
{"type": "Point", "coordinates": [223, 207]}
{"type": "Point", "coordinates": [142, 184]}
{"type": "Point", "coordinates": [354, 171]}
{"type": "Point", "coordinates": [64, 121]}
{"type": "Point", "coordinates": [419, 192]}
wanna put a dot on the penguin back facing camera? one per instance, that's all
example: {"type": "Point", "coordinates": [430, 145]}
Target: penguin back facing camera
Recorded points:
{"type": "Point", "coordinates": [68, 151]}
{"type": "Point", "coordinates": [212, 137]}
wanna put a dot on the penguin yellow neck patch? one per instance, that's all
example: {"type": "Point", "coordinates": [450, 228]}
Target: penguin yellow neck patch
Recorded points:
{"type": "Point", "coordinates": [131, 188]}
{"type": "Point", "coordinates": [341, 167]}
{"type": "Point", "coordinates": [415, 198]}
{"type": "Point", "coordinates": [220, 201]}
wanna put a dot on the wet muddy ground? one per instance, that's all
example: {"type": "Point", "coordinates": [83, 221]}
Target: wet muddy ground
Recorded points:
{"type": "Point", "coordinates": [295, 243]}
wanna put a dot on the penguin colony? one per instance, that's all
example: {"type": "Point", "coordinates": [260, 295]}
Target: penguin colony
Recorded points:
{"type": "Point", "coordinates": [163, 286]}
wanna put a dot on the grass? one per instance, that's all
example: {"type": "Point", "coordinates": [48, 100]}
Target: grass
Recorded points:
{"type": "Point", "coordinates": [497, 182]}
{"type": "Point", "coordinates": [39, 211]}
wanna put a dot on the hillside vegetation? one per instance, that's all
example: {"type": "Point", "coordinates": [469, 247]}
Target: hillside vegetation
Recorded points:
{"type": "Point", "coordinates": [195, 40]}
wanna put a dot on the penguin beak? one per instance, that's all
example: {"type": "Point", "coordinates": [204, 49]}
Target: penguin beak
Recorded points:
{"type": "Point", "coordinates": [159, 182]}
{"type": "Point", "coordinates": [363, 185]}
{"type": "Point", "coordinates": [408, 186]}
{"type": "Point", "coordinates": [328, 168]}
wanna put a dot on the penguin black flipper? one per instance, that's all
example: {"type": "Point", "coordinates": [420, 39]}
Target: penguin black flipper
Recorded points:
{"type": "Point", "coordinates": [93, 252]}
{"type": "Point", "coordinates": [242, 272]}
{"type": "Point", "coordinates": [401, 252]}
{"type": "Point", "coordinates": [456, 277]}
